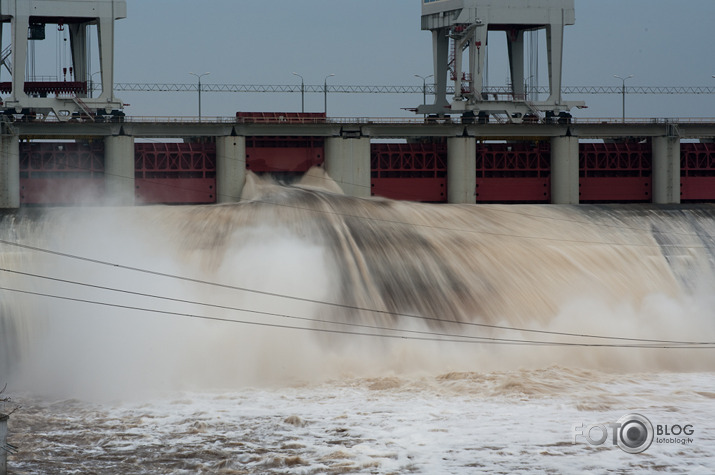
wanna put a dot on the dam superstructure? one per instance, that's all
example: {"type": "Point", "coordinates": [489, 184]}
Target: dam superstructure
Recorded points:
{"type": "Point", "coordinates": [179, 160]}
{"type": "Point", "coordinates": [62, 146]}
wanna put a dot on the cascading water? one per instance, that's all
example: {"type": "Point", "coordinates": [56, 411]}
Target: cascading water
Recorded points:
{"type": "Point", "coordinates": [298, 285]}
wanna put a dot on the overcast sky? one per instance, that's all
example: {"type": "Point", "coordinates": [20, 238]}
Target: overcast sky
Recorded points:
{"type": "Point", "coordinates": [379, 42]}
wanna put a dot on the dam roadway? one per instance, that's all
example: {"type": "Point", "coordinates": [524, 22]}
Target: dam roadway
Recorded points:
{"type": "Point", "coordinates": [151, 127]}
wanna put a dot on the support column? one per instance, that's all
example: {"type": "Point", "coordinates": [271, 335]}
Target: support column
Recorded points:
{"type": "Point", "coordinates": [119, 170]}
{"type": "Point", "coordinates": [440, 48]}
{"type": "Point", "coordinates": [564, 170]}
{"type": "Point", "coordinates": [230, 168]}
{"type": "Point", "coordinates": [666, 170]}
{"type": "Point", "coordinates": [347, 161]}
{"type": "Point", "coordinates": [462, 170]}
{"type": "Point", "coordinates": [3, 443]}
{"type": "Point", "coordinates": [9, 171]}
{"type": "Point", "coordinates": [515, 46]}
{"type": "Point", "coordinates": [555, 52]}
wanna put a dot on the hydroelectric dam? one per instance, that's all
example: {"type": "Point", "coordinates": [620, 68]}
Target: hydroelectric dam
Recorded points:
{"type": "Point", "coordinates": [470, 289]}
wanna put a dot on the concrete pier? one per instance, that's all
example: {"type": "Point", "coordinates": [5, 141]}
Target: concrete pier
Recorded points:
{"type": "Point", "coordinates": [9, 171]}
{"type": "Point", "coordinates": [461, 170]}
{"type": "Point", "coordinates": [347, 161]}
{"type": "Point", "coordinates": [119, 170]}
{"type": "Point", "coordinates": [666, 170]}
{"type": "Point", "coordinates": [230, 168]}
{"type": "Point", "coordinates": [564, 170]}
{"type": "Point", "coordinates": [3, 444]}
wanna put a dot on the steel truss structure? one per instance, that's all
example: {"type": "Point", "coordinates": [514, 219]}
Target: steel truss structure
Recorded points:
{"type": "Point", "coordinates": [356, 89]}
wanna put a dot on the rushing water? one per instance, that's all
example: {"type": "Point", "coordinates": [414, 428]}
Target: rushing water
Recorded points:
{"type": "Point", "coordinates": [302, 331]}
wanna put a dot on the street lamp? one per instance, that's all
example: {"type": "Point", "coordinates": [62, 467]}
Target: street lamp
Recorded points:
{"type": "Point", "coordinates": [302, 91]}
{"type": "Point", "coordinates": [424, 87]}
{"type": "Point", "coordinates": [199, 76]}
{"type": "Point", "coordinates": [623, 92]}
{"type": "Point", "coordinates": [526, 87]}
{"type": "Point", "coordinates": [91, 83]}
{"type": "Point", "coordinates": [325, 92]}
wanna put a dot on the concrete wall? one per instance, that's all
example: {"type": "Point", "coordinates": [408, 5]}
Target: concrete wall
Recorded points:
{"type": "Point", "coordinates": [462, 170]}
{"type": "Point", "coordinates": [230, 168]}
{"type": "Point", "coordinates": [347, 161]}
{"type": "Point", "coordinates": [9, 171]}
{"type": "Point", "coordinates": [119, 170]}
{"type": "Point", "coordinates": [564, 170]}
{"type": "Point", "coordinates": [666, 170]}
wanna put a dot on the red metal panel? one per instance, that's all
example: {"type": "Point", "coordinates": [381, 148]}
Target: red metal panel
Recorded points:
{"type": "Point", "coordinates": [619, 189]}
{"type": "Point", "coordinates": [175, 160]}
{"type": "Point", "coordinates": [61, 191]}
{"type": "Point", "coordinates": [61, 173]}
{"type": "Point", "coordinates": [409, 171]}
{"type": "Point", "coordinates": [697, 188]}
{"type": "Point", "coordinates": [513, 160]}
{"type": "Point", "coordinates": [513, 172]}
{"type": "Point", "coordinates": [284, 154]}
{"type": "Point", "coordinates": [697, 163]}
{"type": "Point", "coordinates": [175, 172]}
{"type": "Point", "coordinates": [411, 189]}
{"type": "Point", "coordinates": [281, 117]}
{"type": "Point", "coordinates": [615, 172]}
{"type": "Point", "coordinates": [175, 190]}
{"type": "Point", "coordinates": [513, 190]}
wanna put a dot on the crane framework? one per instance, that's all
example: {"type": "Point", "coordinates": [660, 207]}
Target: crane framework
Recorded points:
{"type": "Point", "coordinates": [28, 19]}
{"type": "Point", "coordinates": [460, 26]}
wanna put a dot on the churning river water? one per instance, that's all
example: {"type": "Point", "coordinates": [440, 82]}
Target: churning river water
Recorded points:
{"type": "Point", "coordinates": [302, 331]}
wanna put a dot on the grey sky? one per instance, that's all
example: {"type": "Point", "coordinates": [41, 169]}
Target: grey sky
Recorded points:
{"type": "Point", "coordinates": [660, 42]}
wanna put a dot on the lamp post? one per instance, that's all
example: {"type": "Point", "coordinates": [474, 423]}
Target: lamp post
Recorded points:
{"type": "Point", "coordinates": [424, 88]}
{"type": "Point", "coordinates": [302, 91]}
{"type": "Point", "coordinates": [325, 92]}
{"type": "Point", "coordinates": [623, 92]}
{"type": "Point", "coordinates": [199, 76]}
{"type": "Point", "coordinates": [91, 83]}
{"type": "Point", "coordinates": [526, 87]}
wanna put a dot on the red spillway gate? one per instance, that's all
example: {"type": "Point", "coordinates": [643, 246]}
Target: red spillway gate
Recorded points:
{"type": "Point", "coordinates": [409, 171]}
{"type": "Point", "coordinates": [615, 172]}
{"type": "Point", "coordinates": [284, 154]}
{"type": "Point", "coordinates": [697, 171]}
{"type": "Point", "coordinates": [517, 172]}
{"type": "Point", "coordinates": [61, 173]}
{"type": "Point", "coordinates": [66, 173]}
{"type": "Point", "coordinates": [175, 173]}
{"type": "Point", "coordinates": [295, 154]}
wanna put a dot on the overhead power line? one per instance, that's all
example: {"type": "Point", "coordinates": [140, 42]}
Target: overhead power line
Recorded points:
{"type": "Point", "coordinates": [430, 335]}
